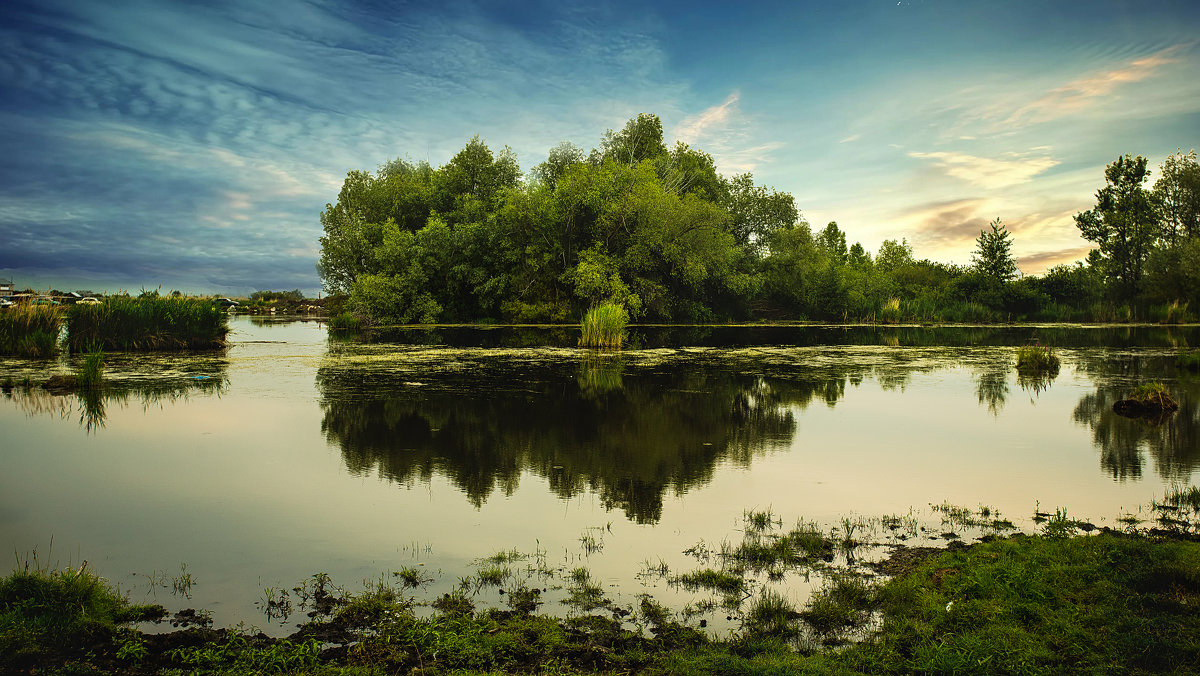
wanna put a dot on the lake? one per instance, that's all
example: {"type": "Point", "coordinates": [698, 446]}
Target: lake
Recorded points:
{"type": "Point", "coordinates": [293, 452]}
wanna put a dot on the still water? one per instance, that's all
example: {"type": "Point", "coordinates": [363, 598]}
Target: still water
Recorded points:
{"type": "Point", "coordinates": [293, 453]}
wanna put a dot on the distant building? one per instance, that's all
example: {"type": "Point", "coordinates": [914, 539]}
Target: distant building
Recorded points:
{"type": "Point", "coordinates": [6, 287]}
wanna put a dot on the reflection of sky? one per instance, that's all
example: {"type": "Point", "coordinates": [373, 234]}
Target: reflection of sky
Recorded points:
{"type": "Point", "coordinates": [244, 487]}
{"type": "Point", "coordinates": [193, 145]}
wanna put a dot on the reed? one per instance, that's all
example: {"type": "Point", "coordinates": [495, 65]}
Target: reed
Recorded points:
{"type": "Point", "coordinates": [147, 324]}
{"type": "Point", "coordinates": [30, 330]}
{"type": "Point", "coordinates": [604, 326]}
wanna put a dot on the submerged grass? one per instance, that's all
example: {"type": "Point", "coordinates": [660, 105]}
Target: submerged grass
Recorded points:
{"type": "Point", "coordinates": [604, 326]}
{"type": "Point", "coordinates": [147, 324]}
{"type": "Point", "coordinates": [28, 330]}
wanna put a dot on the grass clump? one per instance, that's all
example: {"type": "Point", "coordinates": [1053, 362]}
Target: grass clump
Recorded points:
{"type": "Point", "coordinates": [91, 371]}
{"type": "Point", "coordinates": [1037, 358]}
{"type": "Point", "coordinates": [30, 330]}
{"type": "Point", "coordinates": [50, 617]}
{"type": "Point", "coordinates": [346, 321]}
{"type": "Point", "coordinates": [723, 581]}
{"type": "Point", "coordinates": [149, 323]}
{"type": "Point", "coordinates": [1154, 394]}
{"type": "Point", "coordinates": [604, 326]}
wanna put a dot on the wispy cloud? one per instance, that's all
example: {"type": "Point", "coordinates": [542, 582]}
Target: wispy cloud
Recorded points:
{"type": "Point", "coordinates": [1079, 94]}
{"type": "Point", "coordinates": [989, 172]}
{"type": "Point", "coordinates": [948, 224]}
{"type": "Point", "coordinates": [851, 138]}
{"type": "Point", "coordinates": [728, 135]}
{"type": "Point", "coordinates": [1038, 263]}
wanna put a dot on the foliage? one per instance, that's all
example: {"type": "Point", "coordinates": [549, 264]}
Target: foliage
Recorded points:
{"type": "Point", "coordinates": [1177, 192]}
{"type": "Point", "coordinates": [123, 323]}
{"type": "Point", "coordinates": [91, 371]}
{"type": "Point", "coordinates": [28, 330]}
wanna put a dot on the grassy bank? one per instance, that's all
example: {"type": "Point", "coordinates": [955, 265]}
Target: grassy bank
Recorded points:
{"type": "Point", "coordinates": [123, 323]}
{"type": "Point", "coordinates": [1106, 603]}
{"type": "Point", "coordinates": [30, 330]}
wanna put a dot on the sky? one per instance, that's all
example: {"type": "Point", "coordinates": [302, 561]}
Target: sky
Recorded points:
{"type": "Point", "coordinates": [193, 145]}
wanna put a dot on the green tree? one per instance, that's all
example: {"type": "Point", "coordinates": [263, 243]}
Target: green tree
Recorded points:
{"type": "Point", "coordinates": [1124, 223]}
{"type": "Point", "coordinates": [993, 254]}
{"type": "Point", "coordinates": [893, 255]}
{"type": "Point", "coordinates": [833, 240]}
{"type": "Point", "coordinates": [1177, 193]}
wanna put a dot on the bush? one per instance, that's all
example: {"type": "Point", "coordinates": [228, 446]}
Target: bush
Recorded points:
{"type": "Point", "coordinates": [1037, 358]}
{"type": "Point", "coordinates": [30, 330]}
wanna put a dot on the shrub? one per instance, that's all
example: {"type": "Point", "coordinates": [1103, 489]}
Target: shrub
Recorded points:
{"type": "Point", "coordinates": [1039, 358]}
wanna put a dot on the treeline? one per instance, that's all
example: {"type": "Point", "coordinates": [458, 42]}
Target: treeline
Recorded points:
{"type": "Point", "coordinates": [659, 231]}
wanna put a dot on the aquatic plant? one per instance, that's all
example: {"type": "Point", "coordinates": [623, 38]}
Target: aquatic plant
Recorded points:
{"type": "Point", "coordinates": [346, 321]}
{"type": "Point", "coordinates": [1189, 360]}
{"type": "Point", "coordinates": [772, 615]}
{"type": "Point", "coordinates": [604, 326]}
{"type": "Point", "coordinates": [147, 324]}
{"type": "Point", "coordinates": [28, 330]}
{"type": "Point", "coordinates": [723, 581]}
{"type": "Point", "coordinates": [91, 371]}
{"type": "Point", "coordinates": [1037, 358]}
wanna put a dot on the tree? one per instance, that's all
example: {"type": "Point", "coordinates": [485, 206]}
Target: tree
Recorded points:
{"type": "Point", "coordinates": [1124, 223]}
{"type": "Point", "coordinates": [993, 254]}
{"type": "Point", "coordinates": [893, 255]}
{"type": "Point", "coordinates": [1177, 193]}
{"type": "Point", "coordinates": [833, 240]}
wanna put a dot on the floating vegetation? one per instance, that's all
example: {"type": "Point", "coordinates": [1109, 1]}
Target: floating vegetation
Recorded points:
{"type": "Point", "coordinates": [723, 581]}
{"type": "Point", "coordinates": [91, 371]}
{"type": "Point", "coordinates": [1037, 358]}
{"type": "Point", "coordinates": [604, 326]}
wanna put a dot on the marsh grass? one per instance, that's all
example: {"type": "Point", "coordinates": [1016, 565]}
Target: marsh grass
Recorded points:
{"type": "Point", "coordinates": [604, 326]}
{"type": "Point", "coordinates": [1037, 358]}
{"type": "Point", "coordinates": [723, 581]}
{"type": "Point", "coordinates": [30, 330]}
{"type": "Point", "coordinates": [90, 373]}
{"type": "Point", "coordinates": [153, 323]}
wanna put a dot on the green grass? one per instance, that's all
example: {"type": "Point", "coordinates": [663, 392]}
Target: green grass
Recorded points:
{"type": "Point", "coordinates": [51, 616]}
{"type": "Point", "coordinates": [30, 330]}
{"type": "Point", "coordinates": [723, 581]}
{"type": "Point", "coordinates": [604, 326]}
{"type": "Point", "coordinates": [346, 321]}
{"type": "Point", "coordinates": [154, 323]}
{"type": "Point", "coordinates": [1037, 358]}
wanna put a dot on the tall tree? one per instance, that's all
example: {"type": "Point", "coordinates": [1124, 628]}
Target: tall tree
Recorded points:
{"type": "Point", "coordinates": [1124, 223]}
{"type": "Point", "coordinates": [993, 254]}
{"type": "Point", "coordinates": [833, 240]}
{"type": "Point", "coordinates": [1177, 192]}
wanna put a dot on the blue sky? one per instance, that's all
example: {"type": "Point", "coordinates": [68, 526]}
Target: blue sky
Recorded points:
{"type": "Point", "coordinates": [192, 145]}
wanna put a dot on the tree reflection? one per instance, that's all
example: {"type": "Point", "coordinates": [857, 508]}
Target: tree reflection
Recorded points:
{"type": "Point", "coordinates": [1172, 441]}
{"type": "Point", "coordinates": [594, 424]}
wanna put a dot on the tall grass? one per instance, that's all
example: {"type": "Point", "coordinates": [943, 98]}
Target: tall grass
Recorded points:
{"type": "Point", "coordinates": [30, 330]}
{"type": "Point", "coordinates": [604, 326]}
{"type": "Point", "coordinates": [147, 324]}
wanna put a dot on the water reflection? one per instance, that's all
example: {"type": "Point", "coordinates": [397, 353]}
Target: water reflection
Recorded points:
{"type": "Point", "coordinates": [630, 432]}
{"type": "Point", "coordinates": [1173, 441]}
{"type": "Point", "coordinates": [90, 406]}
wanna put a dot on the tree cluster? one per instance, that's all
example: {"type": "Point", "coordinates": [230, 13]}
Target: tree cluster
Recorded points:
{"type": "Point", "coordinates": [658, 230]}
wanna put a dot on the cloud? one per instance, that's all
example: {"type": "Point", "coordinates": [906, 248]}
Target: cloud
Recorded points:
{"type": "Point", "coordinates": [986, 172]}
{"type": "Point", "coordinates": [709, 121]}
{"type": "Point", "coordinates": [851, 138]}
{"type": "Point", "coordinates": [1038, 263]}
{"type": "Point", "coordinates": [948, 224]}
{"type": "Point", "coordinates": [1079, 94]}
{"type": "Point", "coordinates": [728, 135]}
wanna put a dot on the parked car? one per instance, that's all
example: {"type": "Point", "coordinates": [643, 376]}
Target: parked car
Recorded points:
{"type": "Point", "coordinates": [45, 300]}
{"type": "Point", "coordinates": [4, 302]}
{"type": "Point", "coordinates": [226, 302]}
{"type": "Point", "coordinates": [88, 301]}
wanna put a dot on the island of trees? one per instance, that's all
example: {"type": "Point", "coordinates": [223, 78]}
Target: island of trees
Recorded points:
{"type": "Point", "coordinates": [659, 231]}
